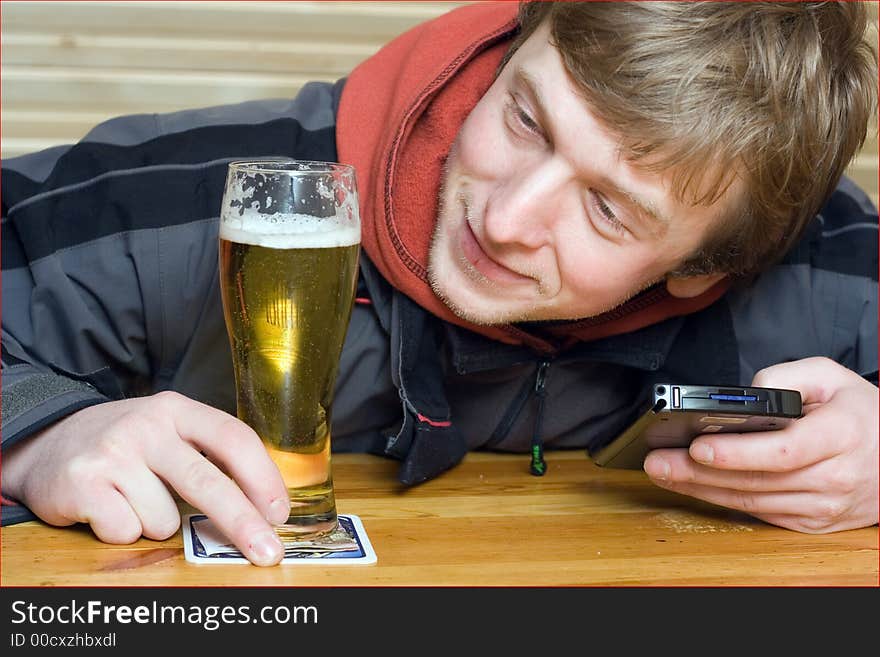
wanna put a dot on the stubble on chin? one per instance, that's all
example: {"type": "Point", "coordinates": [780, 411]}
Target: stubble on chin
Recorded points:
{"type": "Point", "coordinates": [486, 309]}
{"type": "Point", "coordinates": [435, 248]}
{"type": "Point", "coordinates": [445, 261]}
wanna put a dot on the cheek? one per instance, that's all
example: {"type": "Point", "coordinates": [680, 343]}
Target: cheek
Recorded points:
{"type": "Point", "coordinates": [481, 148]}
{"type": "Point", "coordinates": [587, 263]}
{"type": "Point", "coordinates": [594, 269]}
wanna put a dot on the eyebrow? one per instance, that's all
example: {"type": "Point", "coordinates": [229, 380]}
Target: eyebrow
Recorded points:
{"type": "Point", "coordinates": [657, 223]}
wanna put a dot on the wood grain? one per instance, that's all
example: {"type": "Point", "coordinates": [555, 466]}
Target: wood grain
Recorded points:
{"type": "Point", "coordinates": [487, 522]}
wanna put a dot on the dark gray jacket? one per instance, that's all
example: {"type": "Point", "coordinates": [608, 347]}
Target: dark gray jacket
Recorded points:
{"type": "Point", "coordinates": [110, 290]}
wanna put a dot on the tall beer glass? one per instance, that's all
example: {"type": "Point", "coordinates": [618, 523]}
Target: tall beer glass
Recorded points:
{"type": "Point", "coordinates": [289, 241]}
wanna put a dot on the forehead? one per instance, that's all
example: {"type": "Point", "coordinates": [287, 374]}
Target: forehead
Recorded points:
{"type": "Point", "coordinates": [693, 178]}
{"type": "Point", "coordinates": [538, 43]}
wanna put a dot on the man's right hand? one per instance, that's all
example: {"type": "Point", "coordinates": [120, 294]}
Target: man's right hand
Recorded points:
{"type": "Point", "coordinates": [110, 466]}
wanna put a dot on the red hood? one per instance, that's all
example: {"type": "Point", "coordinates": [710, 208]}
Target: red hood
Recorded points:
{"type": "Point", "coordinates": [398, 116]}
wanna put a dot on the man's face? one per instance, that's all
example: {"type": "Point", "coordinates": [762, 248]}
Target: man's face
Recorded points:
{"type": "Point", "coordinates": [540, 218]}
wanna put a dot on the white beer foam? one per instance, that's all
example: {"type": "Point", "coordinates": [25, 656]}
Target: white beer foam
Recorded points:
{"type": "Point", "coordinates": [289, 231]}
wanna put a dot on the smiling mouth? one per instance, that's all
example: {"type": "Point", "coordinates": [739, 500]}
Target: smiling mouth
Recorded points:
{"type": "Point", "coordinates": [482, 262]}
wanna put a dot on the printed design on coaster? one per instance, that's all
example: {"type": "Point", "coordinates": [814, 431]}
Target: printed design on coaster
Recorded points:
{"type": "Point", "coordinates": [347, 544]}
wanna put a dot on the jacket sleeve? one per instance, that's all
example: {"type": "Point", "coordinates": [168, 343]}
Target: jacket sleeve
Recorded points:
{"type": "Point", "coordinates": [821, 300]}
{"type": "Point", "coordinates": [109, 248]}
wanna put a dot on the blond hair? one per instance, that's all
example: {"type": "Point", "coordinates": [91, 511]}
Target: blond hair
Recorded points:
{"type": "Point", "coordinates": [778, 94]}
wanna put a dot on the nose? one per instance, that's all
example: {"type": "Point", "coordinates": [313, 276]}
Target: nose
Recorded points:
{"type": "Point", "coordinates": [523, 208]}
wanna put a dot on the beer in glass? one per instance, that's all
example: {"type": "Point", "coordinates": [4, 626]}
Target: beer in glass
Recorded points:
{"type": "Point", "coordinates": [289, 243]}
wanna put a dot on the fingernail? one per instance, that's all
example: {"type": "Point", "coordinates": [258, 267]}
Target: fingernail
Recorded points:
{"type": "Point", "coordinates": [279, 511]}
{"type": "Point", "coordinates": [266, 549]}
{"type": "Point", "coordinates": [657, 468]}
{"type": "Point", "coordinates": [702, 453]}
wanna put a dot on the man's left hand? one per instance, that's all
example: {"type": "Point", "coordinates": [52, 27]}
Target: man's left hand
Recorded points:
{"type": "Point", "coordinates": [817, 475]}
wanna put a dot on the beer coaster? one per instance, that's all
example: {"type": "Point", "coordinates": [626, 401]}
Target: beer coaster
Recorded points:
{"type": "Point", "coordinates": [348, 544]}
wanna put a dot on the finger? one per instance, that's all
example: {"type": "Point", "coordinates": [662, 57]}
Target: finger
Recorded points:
{"type": "Point", "coordinates": [815, 378]}
{"type": "Point", "coordinates": [808, 525]}
{"type": "Point", "coordinates": [755, 503]}
{"type": "Point", "coordinates": [676, 466]}
{"type": "Point", "coordinates": [111, 517]}
{"type": "Point", "coordinates": [204, 486]}
{"type": "Point", "coordinates": [150, 500]}
{"type": "Point", "coordinates": [796, 446]}
{"type": "Point", "coordinates": [795, 523]}
{"type": "Point", "coordinates": [237, 448]}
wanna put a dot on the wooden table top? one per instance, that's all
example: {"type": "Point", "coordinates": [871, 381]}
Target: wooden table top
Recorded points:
{"type": "Point", "coordinates": [487, 522]}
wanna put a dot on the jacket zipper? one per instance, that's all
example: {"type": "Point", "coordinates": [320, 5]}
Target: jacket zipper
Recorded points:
{"type": "Point", "coordinates": [536, 386]}
{"type": "Point", "coordinates": [538, 465]}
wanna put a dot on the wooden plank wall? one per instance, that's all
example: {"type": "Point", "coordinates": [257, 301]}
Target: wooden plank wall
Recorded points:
{"type": "Point", "coordinates": [68, 65]}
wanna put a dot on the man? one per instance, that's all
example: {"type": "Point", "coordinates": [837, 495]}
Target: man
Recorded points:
{"type": "Point", "coordinates": [559, 208]}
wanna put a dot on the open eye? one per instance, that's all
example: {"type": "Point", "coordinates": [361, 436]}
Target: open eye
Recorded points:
{"type": "Point", "coordinates": [527, 122]}
{"type": "Point", "coordinates": [521, 121]}
{"type": "Point", "coordinates": [606, 213]}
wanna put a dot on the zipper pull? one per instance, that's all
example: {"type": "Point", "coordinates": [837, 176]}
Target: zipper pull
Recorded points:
{"type": "Point", "coordinates": [538, 466]}
{"type": "Point", "coordinates": [541, 378]}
